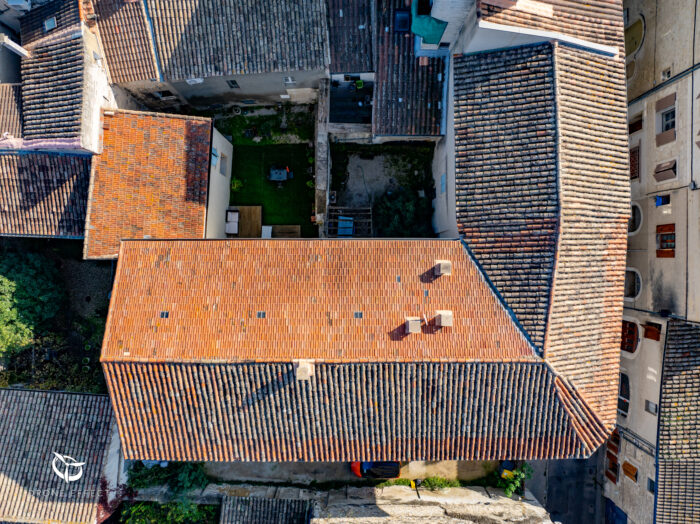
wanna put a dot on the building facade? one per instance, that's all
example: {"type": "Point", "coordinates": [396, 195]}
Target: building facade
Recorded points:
{"type": "Point", "coordinates": [663, 86]}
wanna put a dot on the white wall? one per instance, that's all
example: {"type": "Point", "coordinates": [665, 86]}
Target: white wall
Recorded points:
{"type": "Point", "coordinates": [219, 186]}
{"type": "Point", "coordinates": [97, 94]}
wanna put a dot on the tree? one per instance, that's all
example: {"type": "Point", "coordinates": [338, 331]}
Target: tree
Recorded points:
{"type": "Point", "coordinates": [30, 297]}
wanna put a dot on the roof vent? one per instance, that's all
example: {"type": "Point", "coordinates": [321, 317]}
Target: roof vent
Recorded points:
{"type": "Point", "coordinates": [412, 325]}
{"type": "Point", "coordinates": [444, 318]}
{"type": "Point", "coordinates": [304, 369]}
{"type": "Point", "coordinates": [443, 267]}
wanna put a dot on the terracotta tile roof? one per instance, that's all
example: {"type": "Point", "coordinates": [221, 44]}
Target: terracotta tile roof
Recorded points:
{"type": "Point", "coordinates": [11, 110]}
{"type": "Point", "coordinates": [151, 179]}
{"type": "Point", "coordinates": [678, 490]}
{"type": "Point", "coordinates": [408, 91]}
{"type": "Point", "coordinates": [43, 194]}
{"type": "Point", "coordinates": [258, 510]}
{"type": "Point", "coordinates": [126, 40]}
{"type": "Point", "coordinates": [309, 292]}
{"type": "Point", "coordinates": [53, 78]}
{"type": "Point", "coordinates": [598, 21]}
{"type": "Point", "coordinates": [204, 38]}
{"type": "Point", "coordinates": [350, 411]}
{"type": "Point", "coordinates": [558, 226]}
{"type": "Point", "coordinates": [34, 425]}
{"type": "Point", "coordinates": [351, 32]}
{"type": "Point", "coordinates": [506, 173]}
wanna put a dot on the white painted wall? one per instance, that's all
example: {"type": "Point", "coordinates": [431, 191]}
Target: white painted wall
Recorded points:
{"type": "Point", "coordinates": [219, 185]}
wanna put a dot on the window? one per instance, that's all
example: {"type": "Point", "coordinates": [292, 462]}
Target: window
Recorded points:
{"type": "Point", "coordinates": [358, 314]}
{"type": "Point", "coordinates": [635, 219]}
{"type": "Point", "coordinates": [636, 124]}
{"type": "Point", "coordinates": [49, 24]}
{"type": "Point", "coordinates": [651, 486]}
{"type": "Point", "coordinates": [623, 399]}
{"type": "Point", "coordinates": [634, 163]}
{"type": "Point", "coordinates": [633, 284]}
{"type": "Point", "coordinates": [650, 407]}
{"type": "Point", "coordinates": [668, 120]}
{"type": "Point", "coordinates": [630, 336]}
{"type": "Point", "coordinates": [289, 81]}
{"type": "Point", "coordinates": [666, 74]}
{"type": "Point", "coordinates": [261, 314]}
{"type": "Point", "coordinates": [612, 468]}
{"type": "Point", "coordinates": [652, 331]}
{"type": "Point", "coordinates": [214, 157]}
{"type": "Point", "coordinates": [164, 314]}
{"type": "Point", "coordinates": [630, 471]}
{"type": "Point", "coordinates": [663, 200]}
{"type": "Point", "coordinates": [666, 241]}
{"type": "Point", "coordinates": [402, 21]}
{"type": "Point", "coordinates": [223, 164]}
{"type": "Point", "coordinates": [665, 171]}
{"type": "Point", "coordinates": [164, 95]}
{"type": "Point", "coordinates": [233, 84]}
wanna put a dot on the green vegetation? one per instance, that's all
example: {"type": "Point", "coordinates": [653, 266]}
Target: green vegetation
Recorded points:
{"type": "Point", "coordinates": [180, 512]}
{"type": "Point", "coordinates": [403, 212]}
{"type": "Point", "coordinates": [180, 477]}
{"type": "Point", "coordinates": [283, 203]}
{"type": "Point", "coordinates": [30, 298]}
{"type": "Point", "coordinates": [512, 485]}
{"type": "Point", "coordinates": [282, 127]}
{"type": "Point", "coordinates": [435, 483]}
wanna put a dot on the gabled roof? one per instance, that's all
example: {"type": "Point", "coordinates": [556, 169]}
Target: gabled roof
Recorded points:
{"type": "Point", "coordinates": [408, 92]}
{"type": "Point", "coordinates": [10, 110]}
{"type": "Point", "coordinates": [203, 38]}
{"type": "Point", "coordinates": [597, 21]}
{"type": "Point", "coordinates": [233, 316]}
{"type": "Point", "coordinates": [543, 202]}
{"type": "Point", "coordinates": [43, 194]}
{"type": "Point", "coordinates": [151, 179]}
{"type": "Point", "coordinates": [53, 76]}
{"type": "Point", "coordinates": [678, 490]}
{"type": "Point", "coordinates": [33, 426]}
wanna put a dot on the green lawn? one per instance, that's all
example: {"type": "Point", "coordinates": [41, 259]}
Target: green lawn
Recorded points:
{"type": "Point", "coordinates": [289, 204]}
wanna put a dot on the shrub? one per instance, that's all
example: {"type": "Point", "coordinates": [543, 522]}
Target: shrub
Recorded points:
{"type": "Point", "coordinates": [181, 512]}
{"type": "Point", "coordinates": [403, 214]}
{"type": "Point", "coordinates": [435, 483]}
{"type": "Point", "coordinates": [180, 477]}
{"type": "Point", "coordinates": [29, 299]}
{"type": "Point", "coordinates": [516, 481]}
{"type": "Point", "coordinates": [236, 185]}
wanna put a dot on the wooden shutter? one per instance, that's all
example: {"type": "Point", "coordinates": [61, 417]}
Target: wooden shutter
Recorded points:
{"type": "Point", "coordinates": [634, 163]}
{"type": "Point", "coordinates": [630, 335]}
{"type": "Point", "coordinates": [652, 331]}
{"type": "Point", "coordinates": [629, 470]}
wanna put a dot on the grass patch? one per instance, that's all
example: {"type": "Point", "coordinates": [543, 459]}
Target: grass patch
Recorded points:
{"type": "Point", "coordinates": [282, 127]}
{"type": "Point", "coordinates": [180, 477]}
{"type": "Point", "coordinates": [288, 203]}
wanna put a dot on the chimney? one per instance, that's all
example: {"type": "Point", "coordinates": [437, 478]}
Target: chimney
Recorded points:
{"type": "Point", "coordinates": [304, 369]}
{"type": "Point", "coordinates": [442, 267]}
{"type": "Point", "coordinates": [412, 325]}
{"type": "Point", "coordinates": [444, 318]}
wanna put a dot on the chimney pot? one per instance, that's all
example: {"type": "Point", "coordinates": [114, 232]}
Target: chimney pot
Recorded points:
{"type": "Point", "coordinates": [444, 318]}
{"type": "Point", "coordinates": [412, 325]}
{"type": "Point", "coordinates": [442, 267]}
{"type": "Point", "coordinates": [304, 369]}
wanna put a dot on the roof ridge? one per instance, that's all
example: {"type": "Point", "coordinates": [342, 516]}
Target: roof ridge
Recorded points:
{"type": "Point", "coordinates": [499, 297]}
{"type": "Point", "coordinates": [154, 114]}
{"type": "Point", "coordinates": [65, 392]}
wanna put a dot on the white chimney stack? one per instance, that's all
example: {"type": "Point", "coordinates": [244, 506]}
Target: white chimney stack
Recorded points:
{"type": "Point", "coordinates": [412, 325]}
{"type": "Point", "coordinates": [442, 267]}
{"type": "Point", "coordinates": [444, 318]}
{"type": "Point", "coordinates": [304, 369]}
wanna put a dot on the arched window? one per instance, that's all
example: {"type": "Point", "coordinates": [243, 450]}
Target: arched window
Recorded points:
{"type": "Point", "coordinates": [633, 284]}
{"type": "Point", "coordinates": [630, 336]}
{"type": "Point", "coordinates": [635, 219]}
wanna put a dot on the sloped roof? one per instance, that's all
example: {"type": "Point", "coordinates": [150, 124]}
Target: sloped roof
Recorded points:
{"type": "Point", "coordinates": [678, 490]}
{"type": "Point", "coordinates": [351, 32]}
{"type": "Point", "coordinates": [597, 21]}
{"type": "Point", "coordinates": [203, 38]}
{"type": "Point", "coordinates": [408, 91]}
{"type": "Point", "coordinates": [150, 179]}
{"type": "Point", "coordinates": [11, 110]}
{"type": "Point", "coordinates": [310, 292]}
{"type": "Point", "coordinates": [189, 312]}
{"type": "Point", "coordinates": [43, 194]}
{"type": "Point", "coordinates": [542, 199]}
{"type": "Point", "coordinates": [33, 426]}
{"type": "Point", "coordinates": [259, 510]}
{"type": "Point", "coordinates": [53, 76]}
{"type": "Point", "coordinates": [127, 40]}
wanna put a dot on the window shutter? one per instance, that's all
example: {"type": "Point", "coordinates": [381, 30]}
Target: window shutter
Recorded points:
{"type": "Point", "coordinates": [665, 228]}
{"type": "Point", "coordinates": [634, 163]}
{"type": "Point", "coordinates": [629, 470]}
{"type": "Point", "coordinates": [630, 335]}
{"type": "Point", "coordinates": [652, 331]}
{"type": "Point", "coordinates": [665, 171]}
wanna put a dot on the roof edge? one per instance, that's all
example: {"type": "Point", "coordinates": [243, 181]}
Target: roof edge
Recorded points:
{"type": "Point", "coordinates": [154, 114]}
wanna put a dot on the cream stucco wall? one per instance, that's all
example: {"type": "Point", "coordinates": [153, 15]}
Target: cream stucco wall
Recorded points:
{"type": "Point", "coordinates": [219, 186]}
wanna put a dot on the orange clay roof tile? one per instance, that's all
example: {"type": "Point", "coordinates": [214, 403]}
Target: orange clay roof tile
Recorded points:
{"type": "Point", "coordinates": [150, 180]}
{"type": "Point", "coordinates": [203, 301]}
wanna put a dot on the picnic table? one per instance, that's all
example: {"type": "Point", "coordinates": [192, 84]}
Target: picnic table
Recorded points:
{"type": "Point", "coordinates": [280, 174]}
